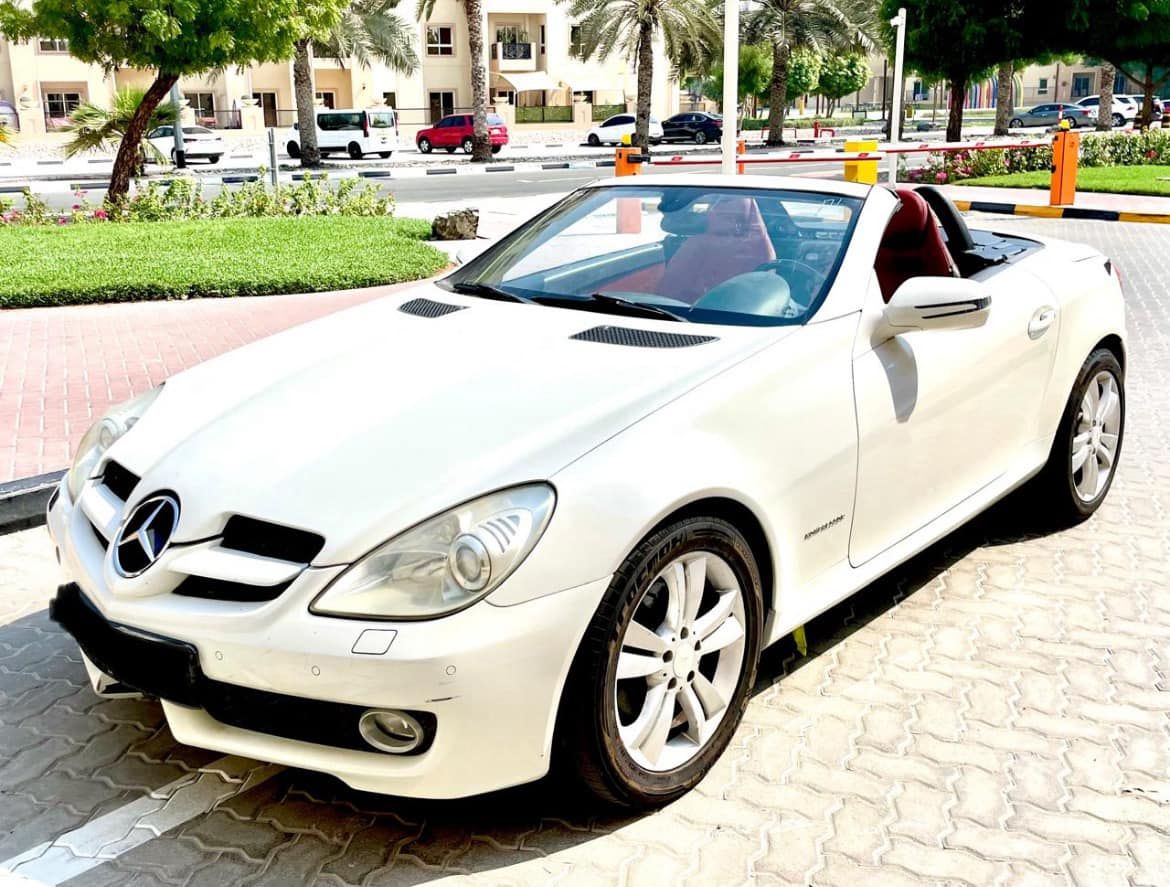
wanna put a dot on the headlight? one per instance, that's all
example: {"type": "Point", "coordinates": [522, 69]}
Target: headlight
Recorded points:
{"type": "Point", "coordinates": [444, 563]}
{"type": "Point", "coordinates": [102, 435]}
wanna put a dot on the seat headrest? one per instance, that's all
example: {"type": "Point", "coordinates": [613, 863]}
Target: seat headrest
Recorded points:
{"type": "Point", "coordinates": [910, 222]}
{"type": "Point", "coordinates": [732, 216]}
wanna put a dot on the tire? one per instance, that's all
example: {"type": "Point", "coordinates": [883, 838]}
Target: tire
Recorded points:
{"type": "Point", "coordinates": [385, 155]}
{"type": "Point", "coordinates": [496, 149]}
{"type": "Point", "coordinates": [1118, 121]}
{"type": "Point", "coordinates": [293, 150]}
{"type": "Point", "coordinates": [213, 158]}
{"type": "Point", "coordinates": [593, 141]}
{"type": "Point", "coordinates": [1016, 123]}
{"type": "Point", "coordinates": [424, 145]}
{"type": "Point", "coordinates": [632, 770]}
{"type": "Point", "coordinates": [355, 151]}
{"type": "Point", "coordinates": [468, 145]}
{"type": "Point", "coordinates": [700, 138]}
{"type": "Point", "coordinates": [1057, 495]}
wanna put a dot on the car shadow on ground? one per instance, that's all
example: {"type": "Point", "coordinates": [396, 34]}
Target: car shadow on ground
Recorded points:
{"type": "Point", "coordinates": [357, 837]}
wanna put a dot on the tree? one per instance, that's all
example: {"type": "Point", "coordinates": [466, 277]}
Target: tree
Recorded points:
{"type": "Point", "coordinates": [817, 25]}
{"type": "Point", "coordinates": [755, 73]}
{"type": "Point", "coordinates": [1105, 97]}
{"type": "Point", "coordinates": [366, 31]}
{"type": "Point", "coordinates": [481, 150]}
{"type": "Point", "coordinates": [1003, 97]}
{"type": "Point", "coordinates": [171, 39]}
{"type": "Point", "coordinates": [842, 73]}
{"type": "Point", "coordinates": [95, 128]}
{"type": "Point", "coordinates": [689, 30]}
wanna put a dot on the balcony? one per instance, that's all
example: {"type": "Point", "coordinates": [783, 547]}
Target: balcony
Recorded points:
{"type": "Point", "coordinates": [513, 57]}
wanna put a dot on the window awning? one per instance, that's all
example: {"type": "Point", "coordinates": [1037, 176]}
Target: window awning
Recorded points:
{"type": "Point", "coordinates": [533, 80]}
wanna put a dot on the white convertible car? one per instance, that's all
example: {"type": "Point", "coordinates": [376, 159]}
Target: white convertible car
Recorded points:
{"type": "Point", "coordinates": [548, 510]}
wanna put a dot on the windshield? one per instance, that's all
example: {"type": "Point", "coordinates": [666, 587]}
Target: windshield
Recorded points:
{"type": "Point", "coordinates": [742, 256]}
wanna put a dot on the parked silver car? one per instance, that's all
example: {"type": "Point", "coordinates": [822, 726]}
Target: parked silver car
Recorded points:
{"type": "Point", "coordinates": [1051, 115]}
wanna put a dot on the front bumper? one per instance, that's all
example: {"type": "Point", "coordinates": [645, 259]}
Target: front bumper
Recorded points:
{"type": "Point", "coordinates": [274, 682]}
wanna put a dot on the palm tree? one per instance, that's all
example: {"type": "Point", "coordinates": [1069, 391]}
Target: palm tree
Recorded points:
{"type": "Point", "coordinates": [819, 25]}
{"type": "Point", "coordinates": [1105, 96]}
{"type": "Point", "coordinates": [367, 31]}
{"type": "Point", "coordinates": [689, 30]}
{"type": "Point", "coordinates": [95, 128]}
{"type": "Point", "coordinates": [481, 150]}
{"type": "Point", "coordinates": [1003, 97]}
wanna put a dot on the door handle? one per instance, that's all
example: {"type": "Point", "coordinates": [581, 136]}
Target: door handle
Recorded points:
{"type": "Point", "coordinates": [1041, 321]}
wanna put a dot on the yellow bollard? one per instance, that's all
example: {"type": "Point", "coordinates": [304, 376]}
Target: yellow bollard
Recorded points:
{"type": "Point", "coordinates": [1066, 147]}
{"type": "Point", "coordinates": [863, 171]}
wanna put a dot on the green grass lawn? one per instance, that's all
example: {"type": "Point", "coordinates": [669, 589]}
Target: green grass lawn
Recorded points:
{"type": "Point", "coordinates": [1153, 180]}
{"type": "Point", "coordinates": [120, 262]}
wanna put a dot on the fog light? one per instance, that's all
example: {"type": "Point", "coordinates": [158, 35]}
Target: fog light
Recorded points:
{"type": "Point", "coordinates": [395, 732]}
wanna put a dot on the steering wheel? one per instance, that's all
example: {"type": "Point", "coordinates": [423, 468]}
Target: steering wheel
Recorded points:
{"type": "Point", "coordinates": [808, 279]}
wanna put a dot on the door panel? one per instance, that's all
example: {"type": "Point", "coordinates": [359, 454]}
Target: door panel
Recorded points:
{"type": "Point", "coordinates": [942, 413]}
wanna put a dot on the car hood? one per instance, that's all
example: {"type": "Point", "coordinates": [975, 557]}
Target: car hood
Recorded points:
{"type": "Point", "coordinates": [358, 425]}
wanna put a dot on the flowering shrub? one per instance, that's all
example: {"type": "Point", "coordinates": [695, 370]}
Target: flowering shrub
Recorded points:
{"type": "Point", "coordinates": [183, 198]}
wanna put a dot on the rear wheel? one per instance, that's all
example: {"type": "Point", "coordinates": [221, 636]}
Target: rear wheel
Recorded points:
{"type": "Point", "coordinates": [1084, 455]}
{"type": "Point", "coordinates": [700, 138]}
{"type": "Point", "coordinates": [663, 674]}
{"type": "Point", "coordinates": [424, 145]}
{"type": "Point", "coordinates": [496, 149]}
{"type": "Point", "coordinates": [213, 158]}
{"type": "Point", "coordinates": [293, 149]}
{"type": "Point", "coordinates": [385, 155]}
{"type": "Point", "coordinates": [467, 145]}
{"type": "Point", "coordinates": [355, 151]}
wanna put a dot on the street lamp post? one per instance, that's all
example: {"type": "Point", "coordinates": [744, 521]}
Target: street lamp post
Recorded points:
{"type": "Point", "coordinates": [898, 22]}
{"type": "Point", "coordinates": [730, 85]}
{"type": "Point", "coordinates": [180, 151]}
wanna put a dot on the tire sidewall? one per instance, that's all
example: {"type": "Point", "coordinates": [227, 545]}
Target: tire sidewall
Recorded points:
{"type": "Point", "coordinates": [629, 781]}
{"type": "Point", "coordinates": [1099, 360]}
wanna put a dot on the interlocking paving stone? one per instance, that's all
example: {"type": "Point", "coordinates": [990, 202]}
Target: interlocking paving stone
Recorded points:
{"type": "Point", "coordinates": [995, 712]}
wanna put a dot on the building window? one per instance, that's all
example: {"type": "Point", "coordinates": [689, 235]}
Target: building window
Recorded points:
{"type": "Point", "coordinates": [440, 40]}
{"type": "Point", "coordinates": [442, 104]}
{"type": "Point", "coordinates": [576, 50]}
{"type": "Point", "coordinates": [61, 104]}
{"type": "Point", "coordinates": [1042, 89]}
{"type": "Point", "coordinates": [53, 45]}
{"type": "Point", "coordinates": [203, 104]}
{"type": "Point", "coordinates": [327, 98]}
{"type": "Point", "coordinates": [542, 39]}
{"type": "Point", "coordinates": [390, 100]}
{"type": "Point", "coordinates": [1119, 84]}
{"type": "Point", "coordinates": [1082, 85]}
{"type": "Point", "coordinates": [509, 34]}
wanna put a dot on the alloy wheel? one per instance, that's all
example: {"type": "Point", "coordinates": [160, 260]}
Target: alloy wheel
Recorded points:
{"type": "Point", "coordinates": [681, 659]}
{"type": "Point", "coordinates": [1096, 436]}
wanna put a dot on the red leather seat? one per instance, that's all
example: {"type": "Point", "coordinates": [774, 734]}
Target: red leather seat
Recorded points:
{"type": "Point", "coordinates": [736, 241]}
{"type": "Point", "coordinates": [912, 245]}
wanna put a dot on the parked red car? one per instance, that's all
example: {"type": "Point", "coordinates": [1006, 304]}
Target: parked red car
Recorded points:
{"type": "Point", "coordinates": [457, 131]}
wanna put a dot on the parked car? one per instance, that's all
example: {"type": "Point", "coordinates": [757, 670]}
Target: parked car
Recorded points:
{"type": "Point", "coordinates": [522, 513]}
{"type": "Point", "coordinates": [1051, 115]}
{"type": "Point", "coordinates": [615, 128]}
{"type": "Point", "coordinates": [693, 126]}
{"type": "Point", "coordinates": [198, 142]}
{"type": "Point", "coordinates": [1139, 103]}
{"type": "Point", "coordinates": [356, 131]}
{"type": "Point", "coordinates": [1125, 109]}
{"type": "Point", "coordinates": [458, 131]}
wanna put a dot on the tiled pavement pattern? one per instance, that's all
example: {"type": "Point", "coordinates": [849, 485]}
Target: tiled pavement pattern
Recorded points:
{"type": "Point", "coordinates": [996, 712]}
{"type": "Point", "coordinates": [60, 368]}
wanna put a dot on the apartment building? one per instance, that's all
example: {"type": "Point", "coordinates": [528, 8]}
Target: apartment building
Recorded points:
{"type": "Point", "coordinates": [532, 54]}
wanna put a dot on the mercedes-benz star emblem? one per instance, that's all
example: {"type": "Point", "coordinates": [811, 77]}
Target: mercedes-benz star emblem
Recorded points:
{"type": "Point", "coordinates": [145, 534]}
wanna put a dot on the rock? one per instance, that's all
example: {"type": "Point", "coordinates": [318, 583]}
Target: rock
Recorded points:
{"type": "Point", "coordinates": [462, 224]}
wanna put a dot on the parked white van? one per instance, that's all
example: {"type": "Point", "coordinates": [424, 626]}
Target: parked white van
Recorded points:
{"type": "Point", "coordinates": [357, 131]}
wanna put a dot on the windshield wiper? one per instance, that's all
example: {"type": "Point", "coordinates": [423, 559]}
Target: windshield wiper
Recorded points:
{"type": "Point", "coordinates": [487, 291]}
{"type": "Point", "coordinates": [635, 309]}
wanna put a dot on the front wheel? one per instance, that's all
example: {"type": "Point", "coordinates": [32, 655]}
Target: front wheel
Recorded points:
{"type": "Point", "coordinates": [293, 150]}
{"type": "Point", "coordinates": [593, 140]}
{"type": "Point", "coordinates": [663, 674]}
{"type": "Point", "coordinates": [424, 145]}
{"type": "Point", "coordinates": [213, 158]}
{"type": "Point", "coordinates": [1083, 459]}
{"type": "Point", "coordinates": [1118, 121]}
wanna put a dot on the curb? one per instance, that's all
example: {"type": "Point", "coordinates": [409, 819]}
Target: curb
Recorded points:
{"type": "Point", "coordinates": [23, 502]}
{"type": "Point", "coordinates": [1059, 212]}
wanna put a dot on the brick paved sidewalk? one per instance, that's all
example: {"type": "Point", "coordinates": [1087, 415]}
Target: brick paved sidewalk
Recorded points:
{"type": "Point", "coordinates": [62, 367]}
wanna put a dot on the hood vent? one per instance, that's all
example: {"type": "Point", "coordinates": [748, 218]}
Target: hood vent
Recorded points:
{"type": "Point", "coordinates": [428, 308]}
{"type": "Point", "coordinates": [118, 480]}
{"type": "Point", "coordinates": [271, 540]}
{"type": "Point", "coordinates": [621, 335]}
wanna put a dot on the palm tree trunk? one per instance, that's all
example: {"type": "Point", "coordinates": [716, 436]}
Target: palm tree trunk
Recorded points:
{"type": "Point", "coordinates": [1003, 98]}
{"type": "Point", "coordinates": [778, 95]}
{"type": "Point", "coordinates": [126, 161]}
{"type": "Point", "coordinates": [1148, 100]}
{"type": "Point", "coordinates": [306, 103]}
{"type": "Point", "coordinates": [481, 151]}
{"type": "Point", "coordinates": [955, 117]}
{"type": "Point", "coordinates": [1105, 93]}
{"type": "Point", "coordinates": [645, 85]}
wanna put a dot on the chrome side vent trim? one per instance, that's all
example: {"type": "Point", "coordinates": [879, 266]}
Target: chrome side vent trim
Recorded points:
{"type": "Point", "coordinates": [428, 308]}
{"type": "Point", "coordinates": [633, 338]}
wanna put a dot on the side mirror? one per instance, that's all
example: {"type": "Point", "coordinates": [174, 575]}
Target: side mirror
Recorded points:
{"type": "Point", "coordinates": [937, 303]}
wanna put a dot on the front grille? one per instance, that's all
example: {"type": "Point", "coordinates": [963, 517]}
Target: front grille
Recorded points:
{"type": "Point", "coordinates": [170, 669]}
{"type": "Point", "coordinates": [118, 480]}
{"type": "Point", "coordinates": [633, 338]}
{"type": "Point", "coordinates": [222, 590]}
{"type": "Point", "coordinates": [271, 540]}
